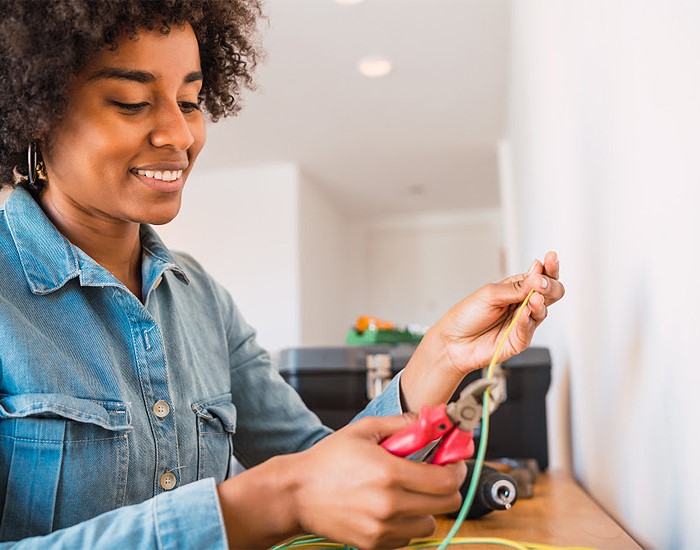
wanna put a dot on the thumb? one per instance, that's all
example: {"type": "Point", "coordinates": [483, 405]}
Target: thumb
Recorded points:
{"type": "Point", "coordinates": [535, 267]}
{"type": "Point", "coordinates": [514, 290]}
{"type": "Point", "coordinates": [378, 428]}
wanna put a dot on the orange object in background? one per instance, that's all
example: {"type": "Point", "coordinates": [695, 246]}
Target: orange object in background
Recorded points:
{"type": "Point", "coordinates": [365, 322]}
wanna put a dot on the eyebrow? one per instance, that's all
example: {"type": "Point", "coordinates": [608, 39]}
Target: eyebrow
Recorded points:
{"type": "Point", "coordinates": [142, 77]}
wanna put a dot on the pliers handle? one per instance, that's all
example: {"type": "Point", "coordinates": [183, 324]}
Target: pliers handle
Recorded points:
{"type": "Point", "coordinates": [432, 424]}
{"type": "Point", "coordinates": [453, 424]}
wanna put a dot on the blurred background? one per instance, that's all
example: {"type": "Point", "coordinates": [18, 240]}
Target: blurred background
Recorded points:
{"type": "Point", "coordinates": [335, 194]}
{"type": "Point", "coordinates": [502, 130]}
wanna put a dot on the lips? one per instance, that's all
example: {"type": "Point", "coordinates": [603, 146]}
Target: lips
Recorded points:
{"type": "Point", "coordinates": [162, 175]}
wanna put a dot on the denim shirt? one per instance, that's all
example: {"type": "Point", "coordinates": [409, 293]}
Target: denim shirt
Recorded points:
{"type": "Point", "coordinates": [119, 417]}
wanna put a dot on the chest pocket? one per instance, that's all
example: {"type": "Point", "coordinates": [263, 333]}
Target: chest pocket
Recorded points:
{"type": "Point", "coordinates": [216, 424]}
{"type": "Point", "coordinates": [62, 460]}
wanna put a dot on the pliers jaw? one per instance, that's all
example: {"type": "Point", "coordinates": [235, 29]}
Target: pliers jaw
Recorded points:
{"type": "Point", "coordinates": [466, 411]}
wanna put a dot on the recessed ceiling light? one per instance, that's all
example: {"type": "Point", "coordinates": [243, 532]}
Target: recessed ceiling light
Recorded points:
{"type": "Point", "coordinates": [374, 67]}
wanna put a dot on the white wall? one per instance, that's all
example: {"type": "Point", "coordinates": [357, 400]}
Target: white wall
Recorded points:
{"type": "Point", "coordinates": [331, 267]}
{"type": "Point", "coordinates": [605, 134]}
{"type": "Point", "coordinates": [302, 272]}
{"type": "Point", "coordinates": [242, 225]}
{"type": "Point", "coordinates": [421, 265]}
{"type": "Point", "coordinates": [291, 260]}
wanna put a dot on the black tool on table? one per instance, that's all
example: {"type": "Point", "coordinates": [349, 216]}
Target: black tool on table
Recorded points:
{"type": "Point", "coordinates": [495, 491]}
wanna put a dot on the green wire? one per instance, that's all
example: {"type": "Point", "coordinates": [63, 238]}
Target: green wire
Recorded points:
{"type": "Point", "coordinates": [302, 540]}
{"type": "Point", "coordinates": [483, 440]}
{"type": "Point", "coordinates": [478, 463]}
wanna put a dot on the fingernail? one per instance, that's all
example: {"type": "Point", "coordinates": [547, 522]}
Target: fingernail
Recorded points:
{"type": "Point", "coordinates": [532, 266]}
{"type": "Point", "coordinates": [544, 282]}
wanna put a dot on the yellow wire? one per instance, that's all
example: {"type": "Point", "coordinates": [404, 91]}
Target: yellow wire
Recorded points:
{"type": "Point", "coordinates": [424, 544]}
{"type": "Point", "coordinates": [502, 341]}
{"type": "Point", "coordinates": [421, 544]}
{"type": "Point", "coordinates": [432, 543]}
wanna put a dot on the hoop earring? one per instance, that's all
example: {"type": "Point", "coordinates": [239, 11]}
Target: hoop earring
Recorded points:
{"type": "Point", "coordinates": [35, 167]}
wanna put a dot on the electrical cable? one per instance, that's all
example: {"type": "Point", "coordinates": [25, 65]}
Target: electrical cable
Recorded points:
{"type": "Point", "coordinates": [311, 541]}
{"type": "Point", "coordinates": [424, 544]}
{"type": "Point", "coordinates": [471, 540]}
{"type": "Point", "coordinates": [483, 440]}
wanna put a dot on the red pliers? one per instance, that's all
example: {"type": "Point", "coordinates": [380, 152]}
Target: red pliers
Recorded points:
{"type": "Point", "coordinates": [449, 426]}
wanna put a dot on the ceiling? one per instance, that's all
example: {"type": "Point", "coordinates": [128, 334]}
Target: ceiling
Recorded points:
{"type": "Point", "coordinates": [421, 139]}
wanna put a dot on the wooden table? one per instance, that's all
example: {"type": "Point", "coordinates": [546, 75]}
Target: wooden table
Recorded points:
{"type": "Point", "coordinates": [560, 513]}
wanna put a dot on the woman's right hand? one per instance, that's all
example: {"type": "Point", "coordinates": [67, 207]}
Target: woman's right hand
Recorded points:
{"type": "Point", "coordinates": [354, 491]}
{"type": "Point", "coordinates": [346, 488]}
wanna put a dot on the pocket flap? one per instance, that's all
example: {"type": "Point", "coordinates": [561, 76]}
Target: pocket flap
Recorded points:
{"type": "Point", "coordinates": [111, 415]}
{"type": "Point", "coordinates": [220, 407]}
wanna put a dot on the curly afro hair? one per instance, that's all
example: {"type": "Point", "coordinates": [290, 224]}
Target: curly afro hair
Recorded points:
{"type": "Point", "coordinates": [44, 44]}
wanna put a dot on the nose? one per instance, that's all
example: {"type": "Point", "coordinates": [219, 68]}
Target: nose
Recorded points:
{"type": "Point", "coordinates": [171, 129]}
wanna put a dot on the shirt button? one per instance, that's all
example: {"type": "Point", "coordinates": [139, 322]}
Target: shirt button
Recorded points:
{"type": "Point", "coordinates": [168, 481]}
{"type": "Point", "coordinates": [161, 409]}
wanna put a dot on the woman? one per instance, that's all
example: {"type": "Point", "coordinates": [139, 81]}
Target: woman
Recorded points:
{"type": "Point", "coordinates": [129, 377]}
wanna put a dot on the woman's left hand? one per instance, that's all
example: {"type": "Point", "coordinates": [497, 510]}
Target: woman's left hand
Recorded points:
{"type": "Point", "coordinates": [471, 330]}
{"type": "Point", "coordinates": [465, 338]}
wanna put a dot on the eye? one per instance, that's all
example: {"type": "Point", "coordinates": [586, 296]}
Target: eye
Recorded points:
{"type": "Point", "coordinates": [130, 107]}
{"type": "Point", "coordinates": [188, 106]}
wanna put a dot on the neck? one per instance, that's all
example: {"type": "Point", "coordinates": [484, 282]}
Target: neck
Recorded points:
{"type": "Point", "coordinates": [113, 244]}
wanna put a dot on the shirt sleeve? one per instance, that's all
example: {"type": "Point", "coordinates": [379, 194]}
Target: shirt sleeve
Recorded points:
{"type": "Point", "coordinates": [386, 403]}
{"type": "Point", "coordinates": [272, 418]}
{"type": "Point", "coordinates": [187, 517]}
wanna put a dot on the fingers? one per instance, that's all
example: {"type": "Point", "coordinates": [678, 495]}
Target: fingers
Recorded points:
{"type": "Point", "coordinates": [418, 527]}
{"type": "Point", "coordinates": [428, 479]}
{"type": "Point", "coordinates": [535, 266]}
{"type": "Point", "coordinates": [403, 503]}
{"type": "Point", "coordinates": [550, 288]}
{"type": "Point", "coordinates": [415, 503]}
{"type": "Point", "coordinates": [548, 267]}
{"type": "Point", "coordinates": [547, 281]}
{"type": "Point", "coordinates": [538, 308]}
{"type": "Point", "coordinates": [394, 534]}
{"type": "Point", "coordinates": [379, 428]}
{"type": "Point", "coordinates": [551, 264]}
{"type": "Point", "coordinates": [532, 317]}
{"type": "Point", "coordinates": [417, 477]}
{"type": "Point", "coordinates": [543, 278]}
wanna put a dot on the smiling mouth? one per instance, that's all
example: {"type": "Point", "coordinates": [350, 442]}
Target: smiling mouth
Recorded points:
{"type": "Point", "coordinates": [162, 175]}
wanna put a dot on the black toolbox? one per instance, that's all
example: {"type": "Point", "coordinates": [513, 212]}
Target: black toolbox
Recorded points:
{"type": "Point", "coordinates": [336, 384]}
{"type": "Point", "coordinates": [334, 381]}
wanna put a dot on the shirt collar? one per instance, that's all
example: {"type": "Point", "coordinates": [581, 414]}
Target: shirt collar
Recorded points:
{"type": "Point", "coordinates": [49, 260]}
{"type": "Point", "coordinates": [156, 259]}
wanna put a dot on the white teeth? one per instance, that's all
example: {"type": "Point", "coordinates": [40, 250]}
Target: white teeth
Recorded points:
{"type": "Point", "coordinates": [163, 175]}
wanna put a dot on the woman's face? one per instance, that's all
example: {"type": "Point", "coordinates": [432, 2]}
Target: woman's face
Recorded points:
{"type": "Point", "coordinates": [131, 132]}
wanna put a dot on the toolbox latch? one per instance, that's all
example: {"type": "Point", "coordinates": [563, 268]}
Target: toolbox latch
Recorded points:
{"type": "Point", "coordinates": [378, 373]}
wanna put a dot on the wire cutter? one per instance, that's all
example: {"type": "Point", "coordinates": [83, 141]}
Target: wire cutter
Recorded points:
{"type": "Point", "coordinates": [448, 427]}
